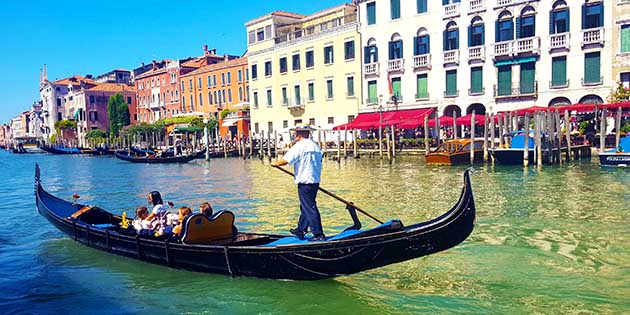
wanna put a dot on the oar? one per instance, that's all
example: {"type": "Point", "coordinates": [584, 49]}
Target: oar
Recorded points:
{"type": "Point", "coordinates": [347, 203]}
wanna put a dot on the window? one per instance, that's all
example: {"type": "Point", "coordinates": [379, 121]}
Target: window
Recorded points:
{"type": "Point", "coordinates": [329, 89]}
{"type": "Point", "coordinates": [246, 74]}
{"type": "Point", "coordinates": [328, 55]}
{"type": "Point", "coordinates": [200, 99]}
{"type": "Point", "coordinates": [190, 84]}
{"type": "Point", "coordinates": [297, 122]}
{"type": "Point", "coordinates": [59, 117]}
{"type": "Point", "coordinates": [214, 80]}
{"type": "Point", "coordinates": [504, 29]}
{"type": "Point", "coordinates": [311, 91]}
{"type": "Point", "coordinates": [240, 94]}
{"type": "Point", "coordinates": [451, 83]}
{"type": "Point", "coordinates": [396, 49]}
{"type": "Point", "coordinates": [192, 103]}
{"type": "Point", "coordinates": [371, 13]}
{"type": "Point", "coordinates": [311, 121]}
{"type": "Point", "coordinates": [222, 78]}
{"type": "Point", "coordinates": [451, 37]}
{"type": "Point", "coordinates": [504, 80]}
{"type": "Point", "coordinates": [285, 98]}
{"type": "Point", "coordinates": [395, 8]}
{"type": "Point", "coordinates": [267, 68]}
{"type": "Point", "coordinates": [526, 26]}
{"type": "Point", "coordinates": [421, 6]}
{"type": "Point", "coordinates": [269, 103]}
{"type": "Point", "coordinates": [422, 46]}
{"type": "Point", "coordinates": [285, 124]}
{"type": "Point", "coordinates": [625, 39]}
{"type": "Point", "coordinates": [260, 34]}
{"type": "Point", "coordinates": [239, 75]}
{"type": "Point", "coordinates": [528, 78]}
{"type": "Point", "coordinates": [559, 71]}
{"type": "Point", "coordinates": [593, 15]}
{"type": "Point", "coordinates": [559, 21]}
{"type": "Point", "coordinates": [251, 37]}
{"type": "Point", "coordinates": [331, 120]}
{"type": "Point", "coordinates": [295, 62]}
{"type": "Point", "coordinates": [229, 77]}
{"type": "Point", "coordinates": [350, 118]}
{"type": "Point", "coordinates": [624, 78]}
{"type": "Point", "coordinates": [129, 100]}
{"type": "Point", "coordinates": [297, 95]}
{"type": "Point", "coordinates": [254, 72]}
{"type": "Point", "coordinates": [370, 54]}
{"type": "Point", "coordinates": [183, 87]}
{"type": "Point", "coordinates": [422, 87]}
{"type": "Point", "coordinates": [283, 65]}
{"type": "Point", "coordinates": [256, 127]}
{"type": "Point", "coordinates": [223, 95]}
{"type": "Point", "coordinates": [476, 80]}
{"type": "Point", "coordinates": [183, 103]}
{"type": "Point", "coordinates": [255, 99]}
{"type": "Point", "coordinates": [396, 88]}
{"type": "Point", "coordinates": [210, 100]}
{"type": "Point", "coordinates": [209, 81]}
{"type": "Point", "coordinates": [592, 68]}
{"type": "Point", "coordinates": [348, 50]}
{"type": "Point", "coordinates": [350, 86]}
{"type": "Point", "coordinates": [91, 99]}
{"type": "Point", "coordinates": [372, 92]}
{"type": "Point", "coordinates": [310, 59]}
{"type": "Point", "coordinates": [230, 95]}
{"type": "Point", "coordinates": [476, 34]}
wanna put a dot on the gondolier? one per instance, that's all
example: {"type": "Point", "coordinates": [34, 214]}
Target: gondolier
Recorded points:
{"type": "Point", "coordinates": [306, 158]}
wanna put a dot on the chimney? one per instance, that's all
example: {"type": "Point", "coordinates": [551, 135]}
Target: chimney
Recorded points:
{"type": "Point", "coordinates": [205, 50]}
{"type": "Point", "coordinates": [213, 51]}
{"type": "Point", "coordinates": [154, 64]}
{"type": "Point", "coordinates": [225, 57]}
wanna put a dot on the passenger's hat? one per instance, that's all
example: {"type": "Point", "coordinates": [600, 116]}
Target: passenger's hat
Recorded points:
{"type": "Point", "coordinates": [303, 128]}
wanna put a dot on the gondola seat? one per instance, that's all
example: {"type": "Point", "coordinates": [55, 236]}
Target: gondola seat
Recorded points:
{"type": "Point", "coordinates": [387, 227]}
{"type": "Point", "coordinates": [199, 229]}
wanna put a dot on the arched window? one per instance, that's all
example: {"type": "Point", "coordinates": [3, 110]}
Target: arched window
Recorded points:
{"type": "Point", "coordinates": [371, 52]}
{"type": "Point", "coordinates": [200, 99]}
{"type": "Point", "coordinates": [476, 32]}
{"type": "Point", "coordinates": [504, 27]}
{"type": "Point", "coordinates": [451, 37]}
{"type": "Point", "coordinates": [210, 101]}
{"type": "Point", "coordinates": [559, 18]}
{"type": "Point", "coordinates": [592, 14]}
{"type": "Point", "coordinates": [396, 47]}
{"type": "Point", "coordinates": [422, 42]}
{"type": "Point", "coordinates": [192, 104]}
{"type": "Point", "coordinates": [526, 23]}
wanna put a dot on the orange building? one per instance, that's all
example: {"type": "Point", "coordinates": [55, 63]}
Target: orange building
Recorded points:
{"type": "Point", "coordinates": [215, 88]}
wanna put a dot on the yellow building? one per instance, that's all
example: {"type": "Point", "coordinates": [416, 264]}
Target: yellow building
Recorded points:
{"type": "Point", "coordinates": [621, 42]}
{"type": "Point", "coordinates": [304, 69]}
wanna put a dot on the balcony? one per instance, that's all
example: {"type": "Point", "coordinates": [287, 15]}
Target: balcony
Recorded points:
{"type": "Point", "coordinates": [502, 49]}
{"type": "Point", "coordinates": [451, 10]}
{"type": "Point", "coordinates": [560, 41]}
{"type": "Point", "coordinates": [422, 61]}
{"type": "Point", "coordinates": [477, 6]}
{"type": "Point", "coordinates": [559, 85]}
{"type": "Point", "coordinates": [371, 101]}
{"type": "Point", "coordinates": [399, 100]}
{"type": "Point", "coordinates": [371, 68]}
{"type": "Point", "coordinates": [503, 3]}
{"type": "Point", "coordinates": [451, 56]}
{"type": "Point", "coordinates": [295, 104]}
{"type": "Point", "coordinates": [396, 65]}
{"type": "Point", "coordinates": [477, 53]}
{"type": "Point", "coordinates": [594, 36]}
{"type": "Point", "coordinates": [516, 91]}
{"type": "Point", "coordinates": [422, 97]}
{"type": "Point", "coordinates": [290, 32]}
{"type": "Point", "coordinates": [477, 93]}
{"type": "Point", "coordinates": [527, 45]}
{"type": "Point", "coordinates": [592, 82]}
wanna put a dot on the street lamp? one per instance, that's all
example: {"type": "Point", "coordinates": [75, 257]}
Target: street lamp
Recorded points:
{"type": "Point", "coordinates": [380, 126]}
{"type": "Point", "coordinates": [205, 137]}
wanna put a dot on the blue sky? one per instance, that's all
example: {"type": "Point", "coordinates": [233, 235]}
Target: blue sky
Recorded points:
{"type": "Point", "coordinates": [93, 37]}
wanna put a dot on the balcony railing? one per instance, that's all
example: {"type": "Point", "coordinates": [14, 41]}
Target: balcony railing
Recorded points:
{"type": "Point", "coordinates": [451, 10]}
{"type": "Point", "coordinates": [559, 41]}
{"type": "Point", "coordinates": [502, 48]}
{"type": "Point", "coordinates": [451, 93]}
{"type": "Point", "coordinates": [477, 6]}
{"type": "Point", "coordinates": [559, 85]}
{"type": "Point", "coordinates": [516, 90]}
{"type": "Point", "coordinates": [593, 36]}
{"type": "Point", "coordinates": [395, 65]}
{"type": "Point", "coordinates": [477, 53]}
{"type": "Point", "coordinates": [502, 3]}
{"type": "Point", "coordinates": [420, 97]}
{"type": "Point", "coordinates": [296, 104]}
{"type": "Point", "coordinates": [371, 101]}
{"type": "Point", "coordinates": [527, 45]}
{"type": "Point", "coordinates": [399, 99]}
{"type": "Point", "coordinates": [476, 93]}
{"type": "Point", "coordinates": [422, 61]}
{"type": "Point", "coordinates": [289, 33]}
{"type": "Point", "coordinates": [451, 56]}
{"type": "Point", "coordinates": [371, 68]}
{"type": "Point", "coordinates": [590, 83]}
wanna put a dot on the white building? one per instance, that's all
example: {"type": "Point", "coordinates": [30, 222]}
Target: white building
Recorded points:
{"type": "Point", "coordinates": [486, 55]}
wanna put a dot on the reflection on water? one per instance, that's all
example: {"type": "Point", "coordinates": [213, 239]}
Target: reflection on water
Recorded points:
{"type": "Point", "coordinates": [545, 240]}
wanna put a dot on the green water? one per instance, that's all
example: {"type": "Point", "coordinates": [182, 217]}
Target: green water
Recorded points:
{"type": "Point", "coordinates": [550, 241]}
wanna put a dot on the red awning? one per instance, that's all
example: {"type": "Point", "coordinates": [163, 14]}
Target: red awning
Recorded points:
{"type": "Point", "coordinates": [531, 110]}
{"type": "Point", "coordinates": [465, 120]}
{"type": "Point", "coordinates": [444, 121]}
{"type": "Point", "coordinates": [410, 118]}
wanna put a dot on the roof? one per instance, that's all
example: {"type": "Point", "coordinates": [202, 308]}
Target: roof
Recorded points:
{"type": "Point", "coordinates": [288, 14]}
{"type": "Point", "coordinates": [112, 87]}
{"type": "Point", "coordinates": [74, 80]}
{"type": "Point", "coordinates": [151, 73]}
{"type": "Point", "coordinates": [218, 66]}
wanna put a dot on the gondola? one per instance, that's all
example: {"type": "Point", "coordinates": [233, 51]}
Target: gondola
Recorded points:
{"type": "Point", "coordinates": [154, 160]}
{"type": "Point", "coordinates": [64, 150]}
{"type": "Point", "coordinates": [224, 250]}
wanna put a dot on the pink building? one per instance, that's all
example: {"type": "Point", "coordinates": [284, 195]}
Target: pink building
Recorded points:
{"type": "Point", "coordinates": [4, 135]}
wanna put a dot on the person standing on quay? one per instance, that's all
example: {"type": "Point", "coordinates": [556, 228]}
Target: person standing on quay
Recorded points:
{"type": "Point", "coordinates": [306, 157]}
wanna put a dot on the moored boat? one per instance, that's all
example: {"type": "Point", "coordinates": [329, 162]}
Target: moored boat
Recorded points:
{"type": "Point", "coordinates": [514, 154]}
{"type": "Point", "coordinates": [456, 152]}
{"type": "Point", "coordinates": [617, 157]}
{"type": "Point", "coordinates": [65, 150]}
{"type": "Point", "coordinates": [123, 155]}
{"type": "Point", "coordinates": [213, 245]}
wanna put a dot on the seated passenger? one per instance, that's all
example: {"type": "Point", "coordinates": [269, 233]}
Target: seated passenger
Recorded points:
{"type": "Point", "coordinates": [159, 210]}
{"type": "Point", "coordinates": [140, 223]}
{"type": "Point", "coordinates": [183, 213]}
{"type": "Point", "coordinates": [206, 209]}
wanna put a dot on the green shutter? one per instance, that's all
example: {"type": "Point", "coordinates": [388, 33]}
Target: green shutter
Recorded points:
{"type": "Point", "coordinates": [625, 39]}
{"type": "Point", "coordinates": [559, 71]}
{"type": "Point", "coordinates": [350, 86]}
{"type": "Point", "coordinates": [528, 77]}
{"type": "Point", "coordinates": [372, 92]}
{"type": "Point", "coordinates": [504, 80]}
{"type": "Point", "coordinates": [395, 6]}
{"type": "Point", "coordinates": [476, 80]}
{"type": "Point", "coordinates": [311, 91]}
{"type": "Point", "coordinates": [396, 87]}
{"type": "Point", "coordinates": [371, 13]}
{"type": "Point", "coordinates": [592, 68]}
{"type": "Point", "coordinates": [422, 86]}
{"type": "Point", "coordinates": [451, 82]}
{"type": "Point", "coordinates": [422, 6]}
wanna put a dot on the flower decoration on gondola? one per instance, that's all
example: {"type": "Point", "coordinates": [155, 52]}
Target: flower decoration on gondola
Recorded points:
{"type": "Point", "coordinates": [75, 197]}
{"type": "Point", "coordinates": [124, 222]}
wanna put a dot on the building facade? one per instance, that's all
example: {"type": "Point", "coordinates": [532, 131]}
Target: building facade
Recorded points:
{"type": "Point", "coordinates": [115, 76]}
{"type": "Point", "coordinates": [304, 69]}
{"type": "Point", "coordinates": [221, 87]}
{"type": "Point", "coordinates": [485, 55]}
{"type": "Point", "coordinates": [5, 135]}
{"type": "Point", "coordinates": [621, 42]}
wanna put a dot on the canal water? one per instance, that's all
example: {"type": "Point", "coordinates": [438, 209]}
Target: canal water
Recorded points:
{"type": "Point", "coordinates": [553, 241]}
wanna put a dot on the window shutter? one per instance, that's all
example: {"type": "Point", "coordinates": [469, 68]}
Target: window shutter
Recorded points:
{"type": "Point", "coordinates": [552, 18]}
{"type": "Point", "coordinates": [601, 14]}
{"type": "Point", "coordinates": [518, 27]}
{"type": "Point", "coordinates": [366, 55]}
{"type": "Point", "coordinates": [415, 46]}
{"type": "Point", "coordinates": [568, 20]}
{"type": "Point", "coordinates": [402, 50]}
{"type": "Point", "coordinates": [457, 38]}
{"type": "Point", "coordinates": [391, 50]}
{"type": "Point", "coordinates": [444, 2]}
{"type": "Point", "coordinates": [445, 40]}
{"type": "Point", "coordinates": [469, 35]}
{"type": "Point", "coordinates": [375, 54]}
{"type": "Point", "coordinates": [528, 71]}
{"type": "Point", "coordinates": [483, 34]}
{"type": "Point", "coordinates": [534, 26]}
{"type": "Point", "coordinates": [496, 31]}
{"type": "Point", "coordinates": [428, 44]}
{"type": "Point", "coordinates": [584, 17]}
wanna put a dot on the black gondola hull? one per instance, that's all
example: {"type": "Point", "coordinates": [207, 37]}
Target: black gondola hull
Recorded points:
{"type": "Point", "coordinates": [155, 160]}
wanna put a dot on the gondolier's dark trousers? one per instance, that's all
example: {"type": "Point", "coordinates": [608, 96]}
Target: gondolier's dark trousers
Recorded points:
{"type": "Point", "coordinates": [309, 217]}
